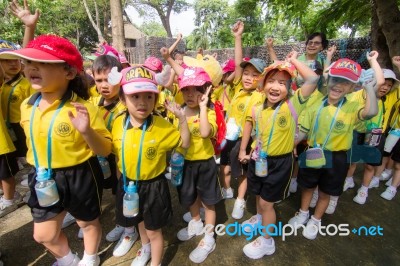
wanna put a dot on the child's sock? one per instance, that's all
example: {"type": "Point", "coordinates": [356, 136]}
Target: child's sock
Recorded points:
{"type": "Point", "coordinates": [66, 260]}
{"type": "Point", "coordinates": [129, 230]}
{"type": "Point", "coordinates": [146, 248]}
{"type": "Point", "coordinates": [209, 237]}
{"type": "Point", "coordinates": [88, 257]}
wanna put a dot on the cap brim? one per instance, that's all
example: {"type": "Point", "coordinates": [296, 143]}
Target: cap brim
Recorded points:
{"type": "Point", "coordinates": [32, 55]}
{"type": "Point", "coordinates": [136, 87]}
{"type": "Point", "coordinates": [333, 73]}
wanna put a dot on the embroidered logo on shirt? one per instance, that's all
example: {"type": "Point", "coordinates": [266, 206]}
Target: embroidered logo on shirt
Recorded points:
{"type": "Point", "coordinates": [241, 107]}
{"type": "Point", "coordinates": [339, 125]}
{"type": "Point", "coordinates": [151, 153]}
{"type": "Point", "coordinates": [195, 131]}
{"type": "Point", "coordinates": [63, 129]}
{"type": "Point", "coordinates": [282, 122]}
{"type": "Point", "coordinates": [14, 98]}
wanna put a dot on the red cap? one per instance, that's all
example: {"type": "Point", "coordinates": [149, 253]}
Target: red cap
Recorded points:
{"type": "Point", "coordinates": [122, 58]}
{"type": "Point", "coordinates": [50, 49]}
{"type": "Point", "coordinates": [347, 69]}
{"type": "Point", "coordinates": [153, 63]}
{"type": "Point", "coordinates": [228, 66]}
{"type": "Point", "coordinates": [193, 76]}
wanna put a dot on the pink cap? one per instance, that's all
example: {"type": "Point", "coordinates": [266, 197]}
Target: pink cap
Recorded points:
{"type": "Point", "coordinates": [106, 50]}
{"type": "Point", "coordinates": [228, 66]}
{"type": "Point", "coordinates": [138, 79]}
{"type": "Point", "coordinates": [122, 58]}
{"type": "Point", "coordinates": [347, 69]}
{"type": "Point", "coordinates": [193, 76]}
{"type": "Point", "coordinates": [153, 63]}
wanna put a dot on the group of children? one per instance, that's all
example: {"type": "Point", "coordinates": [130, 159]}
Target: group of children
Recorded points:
{"type": "Point", "coordinates": [136, 116]}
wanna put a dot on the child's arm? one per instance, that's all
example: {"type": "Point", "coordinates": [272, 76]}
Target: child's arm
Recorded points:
{"type": "Point", "coordinates": [230, 79]}
{"type": "Point", "coordinates": [373, 62]}
{"type": "Point", "coordinates": [329, 55]}
{"type": "Point", "coordinates": [237, 33]}
{"type": "Point", "coordinates": [271, 50]}
{"type": "Point", "coordinates": [396, 61]}
{"type": "Point", "coordinates": [183, 126]}
{"type": "Point", "coordinates": [175, 66]}
{"type": "Point", "coordinates": [29, 20]}
{"type": "Point", "coordinates": [248, 127]}
{"type": "Point", "coordinates": [205, 126]}
{"type": "Point", "coordinates": [99, 144]}
{"type": "Point", "coordinates": [309, 76]}
{"type": "Point", "coordinates": [175, 44]}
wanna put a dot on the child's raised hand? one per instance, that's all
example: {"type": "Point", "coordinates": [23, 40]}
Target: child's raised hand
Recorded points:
{"type": "Point", "coordinates": [179, 37]}
{"type": "Point", "coordinates": [331, 51]}
{"type": "Point", "coordinates": [82, 120]}
{"type": "Point", "coordinates": [270, 42]}
{"type": "Point", "coordinates": [24, 14]}
{"type": "Point", "coordinates": [164, 53]}
{"type": "Point", "coordinates": [174, 108]}
{"type": "Point", "coordinates": [238, 28]}
{"type": "Point", "coordinates": [292, 55]}
{"type": "Point", "coordinates": [203, 100]}
{"type": "Point", "coordinates": [373, 55]}
{"type": "Point", "coordinates": [396, 61]}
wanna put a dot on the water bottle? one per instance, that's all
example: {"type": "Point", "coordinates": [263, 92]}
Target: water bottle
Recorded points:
{"type": "Point", "coordinates": [131, 201]}
{"type": "Point", "coordinates": [391, 140]}
{"type": "Point", "coordinates": [232, 130]}
{"type": "Point", "coordinates": [46, 188]}
{"type": "Point", "coordinates": [176, 163]}
{"type": "Point", "coordinates": [262, 165]}
{"type": "Point", "coordinates": [105, 166]}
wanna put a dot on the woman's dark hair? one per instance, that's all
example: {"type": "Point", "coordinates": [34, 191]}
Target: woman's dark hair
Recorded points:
{"type": "Point", "coordinates": [105, 62]}
{"type": "Point", "coordinates": [79, 84]}
{"type": "Point", "coordinates": [322, 35]}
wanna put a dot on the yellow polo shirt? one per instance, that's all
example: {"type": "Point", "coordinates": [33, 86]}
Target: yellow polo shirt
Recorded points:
{"type": "Point", "coordinates": [69, 148]}
{"type": "Point", "coordinates": [160, 137]}
{"type": "Point", "coordinates": [6, 144]}
{"type": "Point", "coordinates": [14, 92]}
{"type": "Point", "coordinates": [93, 91]}
{"type": "Point", "coordinates": [341, 135]}
{"type": "Point", "coordinates": [110, 112]}
{"type": "Point", "coordinates": [283, 133]}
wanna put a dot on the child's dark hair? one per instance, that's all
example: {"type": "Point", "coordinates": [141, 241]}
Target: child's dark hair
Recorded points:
{"type": "Point", "coordinates": [79, 84]}
{"type": "Point", "coordinates": [322, 35]}
{"type": "Point", "coordinates": [105, 62]}
{"type": "Point", "coordinates": [175, 52]}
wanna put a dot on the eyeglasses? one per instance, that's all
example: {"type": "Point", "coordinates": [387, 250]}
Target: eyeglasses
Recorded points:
{"type": "Point", "coordinates": [313, 43]}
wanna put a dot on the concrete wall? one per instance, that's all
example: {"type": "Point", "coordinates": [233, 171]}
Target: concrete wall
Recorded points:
{"type": "Point", "coordinates": [354, 49]}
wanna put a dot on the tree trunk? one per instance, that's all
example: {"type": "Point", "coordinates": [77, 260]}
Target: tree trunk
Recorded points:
{"type": "Point", "coordinates": [378, 40]}
{"type": "Point", "coordinates": [389, 19]}
{"type": "Point", "coordinates": [117, 25]}
{"type": "Point", "coordinates": [166, 24]}
{"type": "Point", "coordinates": [99, 34]}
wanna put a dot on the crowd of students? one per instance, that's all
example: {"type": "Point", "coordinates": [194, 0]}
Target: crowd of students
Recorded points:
{"type": "Point", "coordinates": [301, 121]}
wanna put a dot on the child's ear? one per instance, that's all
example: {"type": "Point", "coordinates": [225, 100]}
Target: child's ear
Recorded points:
{"type": "Point", "coordinates": [71, 73]}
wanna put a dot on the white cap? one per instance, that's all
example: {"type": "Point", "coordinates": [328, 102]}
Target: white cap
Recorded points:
{"type": "Point", "coordinates": [389, 74]}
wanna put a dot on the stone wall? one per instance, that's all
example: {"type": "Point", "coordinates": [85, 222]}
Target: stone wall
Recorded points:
{"type": "Point", "coordinates": [354, 49]}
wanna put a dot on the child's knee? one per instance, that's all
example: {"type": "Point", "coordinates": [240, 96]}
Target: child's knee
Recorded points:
{"type": "Point", "coordinates": [43, 237]}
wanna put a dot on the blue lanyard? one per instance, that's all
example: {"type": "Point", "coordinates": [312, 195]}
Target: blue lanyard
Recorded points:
{"type": "Point", "coordinates": [9, 105]}
{"type": "Point", "coordinates": [128, 120]}
{"type": "Point", "coordinates": [332, 122]}
{"type": "Point", "coordinates": [272, 128]}
{"type": "Point", "coordinates": [49, 133]}
{"type": "Point", "coordinates": [109, 121]}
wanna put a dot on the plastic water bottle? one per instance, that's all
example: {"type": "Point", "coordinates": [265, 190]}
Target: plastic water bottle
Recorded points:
{"type": "Point", "coordinates": [392, 139]}
{"type": "Point", "coordinates": [232, 130]}
{"type": "Point", "coordinates": [105, 166]}
{"type": "Point", "coordinates": [262, 165]}
{"type": "Point", "coordinates": [177, 161]}
{"type": "Point", "coordinates": [131, 201]}
{"type": "Point", "coordinates": [46, 188]}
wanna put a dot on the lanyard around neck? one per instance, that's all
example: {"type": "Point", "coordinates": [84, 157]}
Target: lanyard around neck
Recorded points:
{"type": "Point", "coordinates": [49, 132]}
{"type": "Point", "coordinates": [128, 120]}
{"type": "Point", "coordinates": [331, 126]}
{"type": "Point", "coordinates": [258, 133]}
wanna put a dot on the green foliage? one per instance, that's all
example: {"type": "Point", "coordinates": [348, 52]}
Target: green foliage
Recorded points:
{"type": "Point", "coordinates": [153, 28]}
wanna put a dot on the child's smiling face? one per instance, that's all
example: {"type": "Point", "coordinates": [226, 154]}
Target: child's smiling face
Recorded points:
{"type": "Point", "coordinates": [275, 86]}
{"type": "Point", "coordinates": [250, 73]}
{"type": "Point", "coordinates": [338, 88]}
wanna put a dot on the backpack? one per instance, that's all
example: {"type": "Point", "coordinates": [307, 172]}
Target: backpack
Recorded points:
{"type": "Point", "coordinates": [219, 141]}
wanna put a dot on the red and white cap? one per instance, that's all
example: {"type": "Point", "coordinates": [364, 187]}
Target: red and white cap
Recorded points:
{"type": "Point", "coordinates": [347, 69]}
{"type": "Point", "coordinates": [193, 76]}
{"type": "Point", "coordinates": [153, 63]}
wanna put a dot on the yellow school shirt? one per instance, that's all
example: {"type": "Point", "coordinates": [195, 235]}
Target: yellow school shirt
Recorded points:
{"type": "Point", "coordinates": [283, 133]}
{"type": "Point", "coordinates": [341, 135]}
{"type": "Point", "coordinates": [225, 95]}
{"type": "Point", "coordinates": [312, 99]}
{"type": "Point", "coordinates": [14, 92]}
{"type": "Point", "coordinates": [93, 91]}
{"type": "Point", "coordinates": [109, 112]}
{"type": "Point", "coordinates": [200, 148]}
{"type": "Point", "coordinates": [6, 144]}
{"type": "Point", "coordinates": [239, 105]}
{"type": "Point", "coordinates": [68, 146]}
{"type": "Point", "coordinates": [159, 138]}
{"type": "Point", "coordinates": [162, 96]}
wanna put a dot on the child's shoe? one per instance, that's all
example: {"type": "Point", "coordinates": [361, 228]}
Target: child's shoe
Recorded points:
{"type": "Point", "coordinates": [300, 218]}
{"type": "Point", "coordinates": [389, 193]}
{"type": "Point", "coordinates": [259, 248]}
{"type": "Point", "coordinates": [194, 228]}
{"type": "Point", "coordinates": [238, 209]}
{"type": "Point", "coordinates": [312, 228]}
{"type": "Point", "coordinates": [200, 253]}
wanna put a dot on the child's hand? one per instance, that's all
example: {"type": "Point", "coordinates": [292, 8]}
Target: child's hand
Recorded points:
{"type": "Point", "coordinates": [24, 14]}
{"type": "Point", "coordinates": [238, 28]}
{"type": "Point", "coordinates": [179, 37]}
{"type": "Point", "coordinates": [396, 61]}
{"type": "Point", "coordinates": [270, 42]}
{"type": "Point", "coordinates": [82, 120]}
{"type": "Point", "coordinates": [373, 55]}
{"type": "Point", "coordinates": [243, 157]}
{"type": "Point", "coordinates": [164, 53]}
{"type": "Point", "coordinates": [203, 100]}
{"type": "Point", "coordinates": [292, 55]}
{"type": "Point", "coordinates": [174, 108]}
{"type": "Point", "coordinates": [331, 51]}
